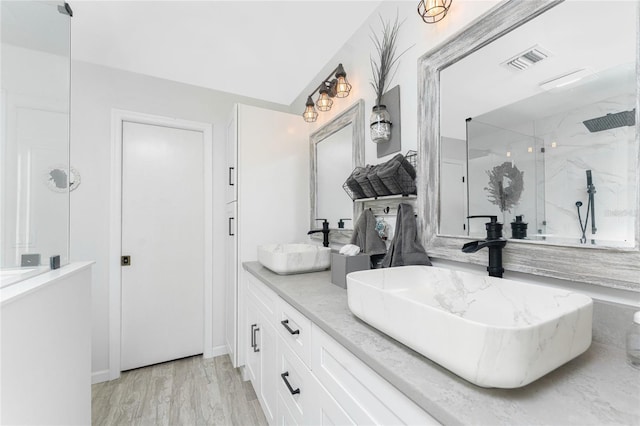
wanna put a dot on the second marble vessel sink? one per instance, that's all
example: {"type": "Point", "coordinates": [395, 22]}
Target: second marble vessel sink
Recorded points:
{"type": "Point", "coordinates": [285, 259]}
{"type": "Point", "coordinates": [492, 332]}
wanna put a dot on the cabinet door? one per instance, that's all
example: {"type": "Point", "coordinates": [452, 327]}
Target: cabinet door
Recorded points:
{"type": "Point", "coordinates": [327, 412]}
{"type": "Point", "coordinates": [267, 345]}
{"type": "Point", "coordinates": [363, 394]}
{"type": "Point", "coordinates": [252, 354]}
{"type": "Point", "coordinates": [231, 193]}
{"type": "Point", "coordinates": [231, 284]}
{"type": "Point", "coordinates": [296, 385]}
{"type": "Point", "coordinates": [285, 418]}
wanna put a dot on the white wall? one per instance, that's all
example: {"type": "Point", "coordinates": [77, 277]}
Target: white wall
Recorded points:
{"type": "Point", "coordinates": [415, 35]}
{"type": "Point", "coordinates": [354, 55]}
{"type": "Point", "coordinates": [95, 91]}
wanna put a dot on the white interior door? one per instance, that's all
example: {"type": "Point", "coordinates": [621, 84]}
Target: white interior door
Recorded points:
{"type": "Point", "coordinates": [163, 233]}
{"type": "Point", "coordinates": [453, 212]}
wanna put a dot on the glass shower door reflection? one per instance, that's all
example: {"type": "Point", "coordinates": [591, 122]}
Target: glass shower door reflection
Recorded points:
{"type": "Point", "coordinates": [34, 212]}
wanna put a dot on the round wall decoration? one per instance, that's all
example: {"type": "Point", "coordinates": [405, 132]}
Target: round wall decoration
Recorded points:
{"type": "Point", "coordinates": [56, 179]}
{"type": "Point", "coordinates": [506, 184]}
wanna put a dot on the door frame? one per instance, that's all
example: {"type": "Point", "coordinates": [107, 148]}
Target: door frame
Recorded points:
{"type": "Point", "coordinates": [118, 116]}
{"type": "Point", "coordinates": [465, 169]}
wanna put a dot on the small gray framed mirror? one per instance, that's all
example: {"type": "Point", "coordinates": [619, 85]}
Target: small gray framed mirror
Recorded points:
{"type": "Point", "coordinates": [609, 265]}
{"type": "Point", "coordinates": [335, 150]}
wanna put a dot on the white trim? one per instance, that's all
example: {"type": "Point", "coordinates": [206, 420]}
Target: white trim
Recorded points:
{"type": "Point", "coordinates": [115, 230]}
{"type": "Point", "coordinates": [218, 351]}
{"type": "Point", "coordinates": [99, 376]}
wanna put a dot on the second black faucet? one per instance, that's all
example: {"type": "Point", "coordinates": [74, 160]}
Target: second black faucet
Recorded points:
{"type": "Point", "coordinates": [324, 230]}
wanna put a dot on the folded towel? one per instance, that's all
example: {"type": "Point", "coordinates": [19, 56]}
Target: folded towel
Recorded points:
{"type": "Point", "coordinates": [406, 164]}
{"type": "Point", "coordinates": [387, 173]}
{"type": "Point", "coordinates": [405, 248]}
{"type": "Point", "coordinates": [360, 175]}
{"type": "Point", "coordinates": [376, 182]}
{"type": "Point", "coordinates": [365, 235]}
{"type": "Point", "coordinates": [354, 187]}
{"type": "Point", "coordinates": [396, 178]}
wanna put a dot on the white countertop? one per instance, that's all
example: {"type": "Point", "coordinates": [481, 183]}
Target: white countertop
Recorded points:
{"type": "Point", "coordinates": [596, 388]}
{"type": "Point", "coordinates": [19, 289]}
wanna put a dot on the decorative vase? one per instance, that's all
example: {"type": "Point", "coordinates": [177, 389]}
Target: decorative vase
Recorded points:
{"type": "Point", "coordinates": [380, 124]}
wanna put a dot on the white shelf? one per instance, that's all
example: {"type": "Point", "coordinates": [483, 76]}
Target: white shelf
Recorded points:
{"type": "Point", "coordinates": [387, 197]}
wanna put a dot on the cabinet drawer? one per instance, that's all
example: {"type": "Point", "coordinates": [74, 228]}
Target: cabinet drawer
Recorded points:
{"type": "Point", "coordinates": [363, 394]}
{"type": "Point", "coordinates": [266, 299]}
{"type": "Point", "coordinates": [295, 330]}
{"type": "Point", "coordinates": [285, 418]}
{"type": "Point", "coordinates": [295, 384]}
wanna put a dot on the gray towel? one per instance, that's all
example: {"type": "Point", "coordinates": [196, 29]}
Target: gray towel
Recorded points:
{"type": "Point", "coordinates": [376, 182]}
{"type": "Point", "coordinates": [354, 187]}
{"type": "Point", "coordinates": [360, 175]}
{"type": "Point", "coordinates": [405, 248]}
{"type": "Point", "coordinates": [406, 164]}
{"type": "Point", "coordinates": [365, 235]}
{"type": "Point", "coordinates": [387, 173]}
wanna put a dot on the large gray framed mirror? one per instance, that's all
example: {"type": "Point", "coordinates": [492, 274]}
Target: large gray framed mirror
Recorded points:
{"type": "Point", "coordinates": [497, 125]}
{"type": "Point", "coordinates": [335, 150]}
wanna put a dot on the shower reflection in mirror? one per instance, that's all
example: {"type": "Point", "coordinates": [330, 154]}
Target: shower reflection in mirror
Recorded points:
{"type": "Point", "coordinates": [546, 169]}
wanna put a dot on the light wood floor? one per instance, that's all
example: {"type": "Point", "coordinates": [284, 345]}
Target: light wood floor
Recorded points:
{"type": "Point", "coordinates": [189, 391]}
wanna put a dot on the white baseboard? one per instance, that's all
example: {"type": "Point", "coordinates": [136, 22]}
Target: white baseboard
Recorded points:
{"type": "Point", "coordinates": [103, 375]}
{"type": "Point", "coordinates": [244, 373]}
{"type": "Point", "coordinates": [99, 376]}
{"type": "Point", "coordinates": [215, 351]}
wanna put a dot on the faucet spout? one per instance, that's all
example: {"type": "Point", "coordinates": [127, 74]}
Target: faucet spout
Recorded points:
{"type": "Point", "coordinates": [474, 246]}
{"type": "Point", "coordinates": [495, 247]}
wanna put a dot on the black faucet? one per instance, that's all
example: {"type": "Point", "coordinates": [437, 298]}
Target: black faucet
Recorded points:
{"type": "Point", "coordinates": [494, 242]}
{"type": "Point", "coordinates": [324, 230]}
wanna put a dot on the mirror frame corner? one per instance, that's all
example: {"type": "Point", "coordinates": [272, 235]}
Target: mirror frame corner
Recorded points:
{"type": "Point", "coordinates": [352, 115]}
{"type": "Point", "coordinates": [607, 267]}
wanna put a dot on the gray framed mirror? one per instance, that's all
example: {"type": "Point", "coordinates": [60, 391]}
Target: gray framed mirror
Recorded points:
{"type": "Point", "coordinates": [335, 150]}
{"type": "Point", "coordinates": [596, 262]}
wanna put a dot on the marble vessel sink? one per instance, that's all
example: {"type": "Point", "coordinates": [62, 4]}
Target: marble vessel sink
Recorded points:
{"type": "Point", "coordinates": [492, 332]}
{"type": "Point", "coordinates": [285, 259]}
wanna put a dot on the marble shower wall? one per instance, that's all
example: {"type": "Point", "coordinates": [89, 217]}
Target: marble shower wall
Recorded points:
{"type": "Point", "coordinates": [570, 150]}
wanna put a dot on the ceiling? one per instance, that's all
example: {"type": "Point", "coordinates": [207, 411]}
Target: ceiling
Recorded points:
{"type": "Point", "coordinates": [599, 41]}
{"type": "Point", "coordinates": [269, 50]}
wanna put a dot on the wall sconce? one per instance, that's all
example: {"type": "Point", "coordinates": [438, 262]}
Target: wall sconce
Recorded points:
{"type": "Point", "coordinates": [337, 87]}
{"type": "Point", "coordinates": [433, 11]}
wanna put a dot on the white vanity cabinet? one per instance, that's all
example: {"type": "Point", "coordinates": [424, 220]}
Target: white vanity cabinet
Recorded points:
{"type": "Point", "coordinates": [266, 177]}
{"type": "Point", "coordinates": [302, 399]}
{"type": "Point", "coordinates": [363, 394]}
{"type": "Point", "coordinates": [261, 352]}
{"type": "Point", "coordinates": [314, 380]}
{"type": "Point", "coordinates": [296, 388]}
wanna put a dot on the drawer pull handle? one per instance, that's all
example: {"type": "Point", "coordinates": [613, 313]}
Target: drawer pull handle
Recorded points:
{"type": "Point", "coordinates": [286, 382]}
{"type": "Point", "coordinates": [231, 233]}
{"type": "Point", "coordinates": [254, 344]}
{"type": "Point", "coordinates": [285, 323]}
{"type": "Point", "coordinates": [230, 181]}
